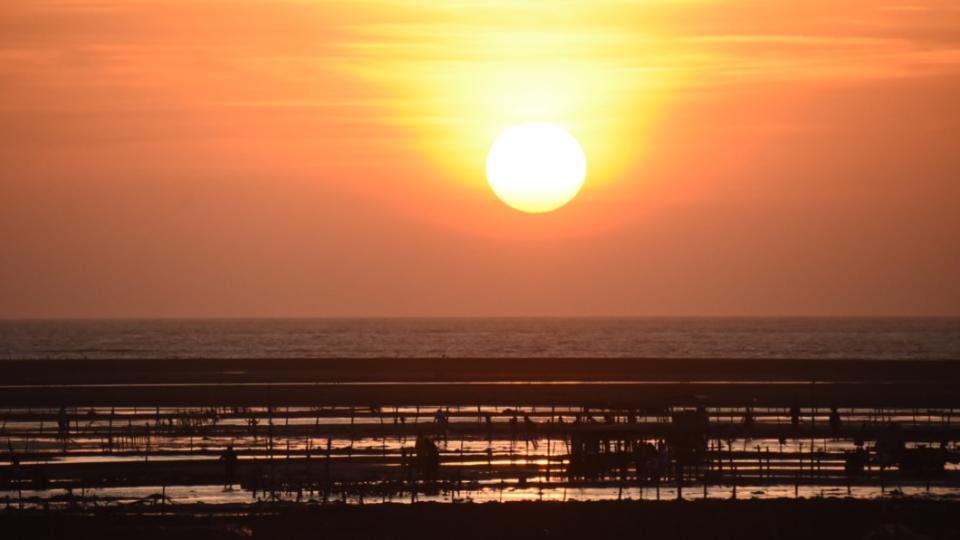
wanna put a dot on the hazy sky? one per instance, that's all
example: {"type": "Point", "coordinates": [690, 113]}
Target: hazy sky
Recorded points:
{"type": "Point", "coordinates": [320, 158]}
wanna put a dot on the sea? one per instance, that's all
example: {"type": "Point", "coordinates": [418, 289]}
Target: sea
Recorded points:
{"type": "Point", "coordinates": [813, 338]}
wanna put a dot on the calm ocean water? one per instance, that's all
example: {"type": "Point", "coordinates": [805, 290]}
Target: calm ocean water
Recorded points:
{"type": "Point", "coordinates": [893, 338]}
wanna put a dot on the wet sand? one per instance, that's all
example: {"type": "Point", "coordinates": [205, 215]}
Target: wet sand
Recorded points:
{"type": "Point", "coordinates": [165, 371]}
{"type": "Point", "coordinates": [627, 395]}
{"type": "Point", "coordinates": [627, 383]}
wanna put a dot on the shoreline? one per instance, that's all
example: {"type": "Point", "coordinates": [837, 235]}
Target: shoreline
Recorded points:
{"type": "Point", "coordinates": [470, 382]}
{"type": "Point", "coordinates": [412, 369]}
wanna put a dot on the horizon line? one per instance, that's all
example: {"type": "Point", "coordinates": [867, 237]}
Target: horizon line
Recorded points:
{"type": "Point", "coordinates": [460, 317]}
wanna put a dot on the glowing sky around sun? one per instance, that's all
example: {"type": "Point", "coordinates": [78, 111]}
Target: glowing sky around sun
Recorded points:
{"type": "Point", "coordinates": [314, 157]}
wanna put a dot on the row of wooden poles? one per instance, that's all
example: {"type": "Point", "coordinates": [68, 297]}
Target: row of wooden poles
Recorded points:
{"type": "Point", "coordinates": [274, 438]}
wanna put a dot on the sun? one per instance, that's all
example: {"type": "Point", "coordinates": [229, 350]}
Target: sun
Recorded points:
{"type": "Point", "coordinates": [536, 168]}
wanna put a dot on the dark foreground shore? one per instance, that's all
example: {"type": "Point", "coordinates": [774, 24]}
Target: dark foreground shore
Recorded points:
{"type": "Point", "coordinates": [741, 520]}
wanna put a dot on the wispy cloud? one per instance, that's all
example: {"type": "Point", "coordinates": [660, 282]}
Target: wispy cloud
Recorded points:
{"type": "Point", "coordinates": [393, 58]}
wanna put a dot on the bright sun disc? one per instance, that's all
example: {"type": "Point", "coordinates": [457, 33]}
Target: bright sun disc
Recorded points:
{"type": "Point", "coordinates": [536, 167]}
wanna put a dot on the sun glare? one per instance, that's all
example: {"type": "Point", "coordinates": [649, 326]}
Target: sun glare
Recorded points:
{"type": "Point", "coordinates": [536, 168]}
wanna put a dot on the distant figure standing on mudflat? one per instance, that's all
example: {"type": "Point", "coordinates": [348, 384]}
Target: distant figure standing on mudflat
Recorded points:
{"type": "Point", "coordinates": [229, 458]}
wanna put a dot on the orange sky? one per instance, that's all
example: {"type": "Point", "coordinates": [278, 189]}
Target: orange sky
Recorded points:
{"type": "Point", "coordinates": [319, 158]}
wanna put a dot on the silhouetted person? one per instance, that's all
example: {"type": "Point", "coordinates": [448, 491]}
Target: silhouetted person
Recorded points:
{"type": "Point", "coordinates": [16, 475]}
{"type": "Point", "coordinates": [39, 480]}
{"type": "Point", "coordinates": [834, 420]}
{"type": "Point", "coordinates": [16, 471]}
{"type": "Point", "coordinates": [855, 461]}
{"type": "Point", "coordinates": [63, 423]}
{"type": "Point", "coordinates": [229, 458]}
{"type": "Point", "coordinates": [702, 417]}
{"type": "Point", "coordinates": [795, 416]}
{"type": "Point", "coordinates": [428, 458]}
